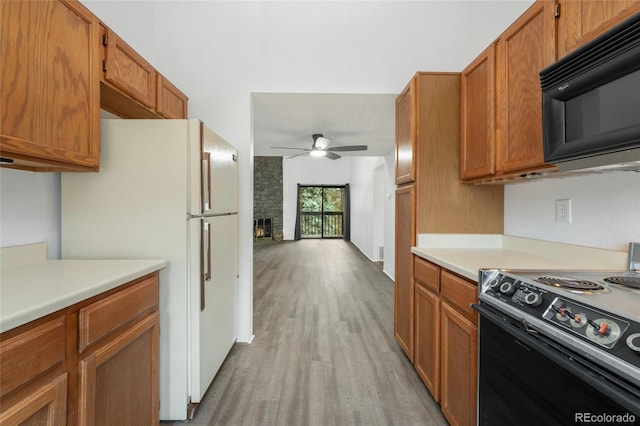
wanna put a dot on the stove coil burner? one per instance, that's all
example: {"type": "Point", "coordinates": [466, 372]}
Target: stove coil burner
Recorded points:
{"type": "Point", "coordinates": [631, 282]}
{"type": "Point", "coordinates": [570, 283]}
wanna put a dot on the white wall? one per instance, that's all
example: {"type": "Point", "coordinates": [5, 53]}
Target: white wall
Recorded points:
{"type": "Point", "coordinates": [366, 204]}
{"type": "Point", "coordinates": [605, 209]}
{"type": "Point", "coordinates": [219, 52]}
{"type": "Point", "coordinates": [30, 209]}
{"type": "Point", "coordinates": [307, 171]}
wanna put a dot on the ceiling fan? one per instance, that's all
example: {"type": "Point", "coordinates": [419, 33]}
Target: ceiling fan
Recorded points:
{"type": "Point", "coordinates": [320, 148]}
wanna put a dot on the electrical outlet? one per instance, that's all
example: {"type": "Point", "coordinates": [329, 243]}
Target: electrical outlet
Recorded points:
{"type": "Point", "coordinates": [563, 211]}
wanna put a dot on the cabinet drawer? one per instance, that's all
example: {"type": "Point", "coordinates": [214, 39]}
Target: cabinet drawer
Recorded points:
{"type": "Point", "coordinates": [459, 292]}
{"type": "Point", "coordinates": [107, 315]}
{"type": "Point", "coordinates": [31, 353]}
{"type": "Point", "coordinates": [426, 274]}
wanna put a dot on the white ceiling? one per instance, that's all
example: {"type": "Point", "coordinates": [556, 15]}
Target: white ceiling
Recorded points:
{"type": "Point", "coordinates": [289, 120]}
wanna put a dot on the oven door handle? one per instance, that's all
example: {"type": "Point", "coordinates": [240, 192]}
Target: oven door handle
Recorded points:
{"type": "Point", "coordinates": [561, 358]}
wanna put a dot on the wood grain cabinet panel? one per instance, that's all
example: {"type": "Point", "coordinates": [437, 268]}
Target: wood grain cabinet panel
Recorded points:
{"type": "Point", "coordinates": [404, 284]}
{"type": "Point", "coordinates": [46, 405]}
{"type": "Point", "coordinates": [29, 354]}
{"type": "Point", "coordinates": [581, 21]}
{"type": "Point", "coordinates": [405, 135]}
{"type": "Point", "coordinates": [427, 274]}
{"type": "Point", "coordinates": [524, 49]}
{"type": "Point", "coordinates": [107, 315]}
{"type": "Point", "coordinates": [125, 69]}
{"type": "Point", "coordinates": [460, 293]}
{"type": "Point", "coordinates": [49, 108]}
{"type": "Point", "coordinates": [478, 101]}
{"type": "Point", "coordinates": [427, 340]}
{"type": "Point", "coordinates": [459, 355]}
{"type": "Point", "coordinates": [119, 381]}
{"type": "Point", "coordinates": [171, 103]}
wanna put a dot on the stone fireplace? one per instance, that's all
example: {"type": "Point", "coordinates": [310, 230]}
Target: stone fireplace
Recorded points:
{"type": "Point", "coordinates": [267, 198]}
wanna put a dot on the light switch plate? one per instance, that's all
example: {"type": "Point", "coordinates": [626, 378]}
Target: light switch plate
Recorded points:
{"type": "Point", "coordinates": [563, 211]}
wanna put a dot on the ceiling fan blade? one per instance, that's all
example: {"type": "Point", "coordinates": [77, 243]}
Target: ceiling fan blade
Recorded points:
{"type": "Point", "coordinates": [348, 148]}
{"type": "Point", "coordinates": [297, 155]}
{"type": "Point", "coordinates": [332, 156]}
{"type": "Point", "coordinates": [286, 147]}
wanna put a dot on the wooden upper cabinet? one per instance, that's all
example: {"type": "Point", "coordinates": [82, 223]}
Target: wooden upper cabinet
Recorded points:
{"type": "Point", "coordinates": [172, 103]}
{"type": "Point", "coordinates": [49, 108]}
{"type": "Point", "coordinates": [525, 48]}
{"type": "Point", "coordinates": [582, 20]}
{"type": "Point", "coordinates": [125, 69]}
{"type": "Point", "coordinates": [477, 84]}
{"type": "Point", "coordinates": [405, 135]}
{"type": "Point", "coordinates": [132, 88]}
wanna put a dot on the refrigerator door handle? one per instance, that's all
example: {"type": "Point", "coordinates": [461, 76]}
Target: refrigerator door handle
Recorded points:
{"type": "Point", "coordinates": [208, 275]}
{"type": "Point", "coordinates": [206, 177]}
{"type": "Point", "coordinates": [205, 275]}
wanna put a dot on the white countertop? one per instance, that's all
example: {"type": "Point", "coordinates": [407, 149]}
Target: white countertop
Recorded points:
{"type": "Point", "coordinates": [465, 254]}
{"type": "Point", "coordinates": [32, 286]}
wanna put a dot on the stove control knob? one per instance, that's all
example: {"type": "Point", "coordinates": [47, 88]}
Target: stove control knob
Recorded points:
{"type": "Point", "coordinates": [507, 288]}
{"type": "Point", "coordinates": [494, 283]}
{"type": "Point", "coordinates": [533, 299]}
{"type": "Point", "coordinates": [633, 341]}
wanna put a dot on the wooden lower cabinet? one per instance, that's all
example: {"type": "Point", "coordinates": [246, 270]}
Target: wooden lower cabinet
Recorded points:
{"type": "Point", "coordinates": [427, 342]}
{"type": "Point", "coordinates": [46, 405]}
{"type": "Point", "coordinates": [459, 354]}
{"type": "Point", "coordinates": [92, 363]}
{"type": "Point", "coordinates": [119, 381]}
{"type": "Point", "coordinates": [446, 340]}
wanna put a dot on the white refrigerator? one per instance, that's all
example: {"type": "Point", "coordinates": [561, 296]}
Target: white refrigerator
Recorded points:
{"type": "Point", "coordinates": [167, 189]}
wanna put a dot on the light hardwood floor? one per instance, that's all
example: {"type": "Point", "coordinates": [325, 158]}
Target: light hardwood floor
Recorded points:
{"type": "Point", "coordinates": [323, 352]}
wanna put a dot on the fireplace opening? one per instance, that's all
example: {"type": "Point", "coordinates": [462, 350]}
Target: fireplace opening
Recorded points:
{"type": "Point", "coordinates": [262, 228]}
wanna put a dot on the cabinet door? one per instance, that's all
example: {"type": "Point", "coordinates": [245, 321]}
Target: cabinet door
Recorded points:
{"type": "Point", "coordinates": [125, 69]}
{"type": "Point", "coordinates": [523, 50]}
{"type": "Point", "coordinates": [404, 291]}
{"type": "Point", "coordinates": [582, 20]}
{"type": "Point", "coordinates": [406, 135]}
{"type": "Point", "coordinates": [477, 84]}
{"type": "Point", "coordinates": [427, 341]}
{"type": "Point", "coordinates": [49, 82]}
{"type": "Point", "coordinates": [119, 381]}
{"type": "Point", "coordinates": [172, 103]}
{"type": "Point", "coordinates": [46, 405]}
{"type": "Point", "coordinates": [459, 352]}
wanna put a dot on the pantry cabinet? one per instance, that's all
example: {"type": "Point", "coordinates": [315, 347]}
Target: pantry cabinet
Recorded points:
{"type": "Point", "coordinates": [404, 285]}
{"type": "Point", "coordinates": [93, 363]}
{"type": "Point", "coordinates": [433, 200]}
{"type": "Point", "coordinates": [582, 21]}
{"type": "Point", "coordinates": [50, 89]}
{"type": "Point", "coordinates": [446, 340]}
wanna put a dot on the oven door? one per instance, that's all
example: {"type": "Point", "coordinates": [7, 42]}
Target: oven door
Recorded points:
{"type": "Point", "coordinates": [525, 379]}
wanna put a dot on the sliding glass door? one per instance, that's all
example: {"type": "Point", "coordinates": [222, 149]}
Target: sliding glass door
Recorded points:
{"type": "Point", "coordinates": [321, 211]}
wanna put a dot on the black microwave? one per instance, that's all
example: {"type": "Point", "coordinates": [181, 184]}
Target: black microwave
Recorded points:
{"type": "Point", "coordinates": [591, 103]}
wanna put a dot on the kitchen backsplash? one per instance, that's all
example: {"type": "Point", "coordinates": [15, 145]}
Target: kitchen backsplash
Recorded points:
{"type": "Point", "coordinates": [605, 209]}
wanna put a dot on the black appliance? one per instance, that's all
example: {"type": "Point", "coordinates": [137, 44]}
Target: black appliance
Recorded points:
{"type": "Point", "coordinates": [591, 103]}
{"type": "Point", "coordinates": [558, 347]}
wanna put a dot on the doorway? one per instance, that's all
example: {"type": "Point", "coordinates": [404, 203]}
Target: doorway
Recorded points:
{"type": "Point", "coordinates": [321, 211]}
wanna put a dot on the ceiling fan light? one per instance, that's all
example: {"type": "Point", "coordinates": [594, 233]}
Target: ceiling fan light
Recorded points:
{"type": "Point", "coordinates": [322, 142]}
{"type": "Point", "coordinates": [318, 153]}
